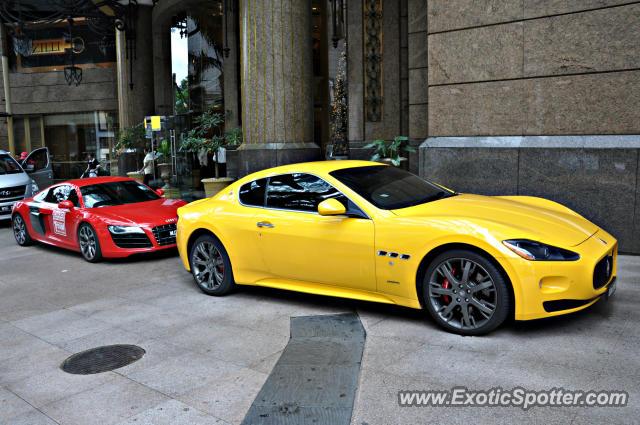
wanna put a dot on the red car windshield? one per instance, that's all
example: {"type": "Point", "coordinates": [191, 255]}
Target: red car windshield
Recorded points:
{"type": "Point", "coordinates": [116, 193]}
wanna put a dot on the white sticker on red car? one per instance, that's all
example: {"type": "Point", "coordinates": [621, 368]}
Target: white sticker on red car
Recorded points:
{"type": "Point", "coordinates": [59, 223]}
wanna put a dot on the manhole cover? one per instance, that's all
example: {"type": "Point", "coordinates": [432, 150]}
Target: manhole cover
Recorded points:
{"type": "Point", "coordinates": [102, 359]}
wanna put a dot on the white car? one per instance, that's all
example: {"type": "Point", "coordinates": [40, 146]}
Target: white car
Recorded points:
{"type": "Point", "coordinates": [17, 183]}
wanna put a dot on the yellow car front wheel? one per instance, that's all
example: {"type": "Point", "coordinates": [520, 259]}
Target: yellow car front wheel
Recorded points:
{"type": "Point", "coordinates": [465, 293]}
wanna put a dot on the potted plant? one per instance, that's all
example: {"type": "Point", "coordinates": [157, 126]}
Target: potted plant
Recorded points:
{"type": "Point", "coordinates": [389, 151]}
{"type": "Point", "coordinates": [233, 138]}
{"type": "Point", "coordinates": [206, 139]}
{"type": "Point", "coordinates": [164, 162]}
{"type": "Point", "coordinates": [129, 140]}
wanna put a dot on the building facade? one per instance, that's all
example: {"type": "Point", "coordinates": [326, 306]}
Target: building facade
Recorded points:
{"type": "Point", "coordinates": [504, 97]}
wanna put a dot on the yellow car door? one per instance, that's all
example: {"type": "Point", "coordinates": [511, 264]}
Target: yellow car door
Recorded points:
{"type": "Point", "coordinates": [299, 244]}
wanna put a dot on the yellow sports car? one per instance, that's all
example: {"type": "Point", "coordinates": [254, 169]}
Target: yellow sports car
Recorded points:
{"type": "Point", "coordinates": [368, 231]}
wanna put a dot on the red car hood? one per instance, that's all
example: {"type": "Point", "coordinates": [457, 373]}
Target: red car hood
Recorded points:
{"type": "Point", "coordinates": [149, 213]}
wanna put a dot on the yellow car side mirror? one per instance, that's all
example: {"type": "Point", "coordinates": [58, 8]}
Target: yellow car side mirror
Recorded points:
{"type": "Point", "coordinates": [331, 207]}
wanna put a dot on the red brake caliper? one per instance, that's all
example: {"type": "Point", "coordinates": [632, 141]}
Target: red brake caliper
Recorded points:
{"type": "Point", "coordinates": [446, 285]}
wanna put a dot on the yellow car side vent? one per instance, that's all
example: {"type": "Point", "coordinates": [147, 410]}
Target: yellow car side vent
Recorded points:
{"type": "Point", "coordinates": [383, 253]}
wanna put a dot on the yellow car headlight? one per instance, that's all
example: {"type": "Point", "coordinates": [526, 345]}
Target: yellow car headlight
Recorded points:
{"type": "Point", "coordinates": [536, 251]}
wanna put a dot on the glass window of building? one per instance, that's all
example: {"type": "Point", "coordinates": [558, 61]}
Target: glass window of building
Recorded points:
{"type": "Point", "coordinates": [71, 137]}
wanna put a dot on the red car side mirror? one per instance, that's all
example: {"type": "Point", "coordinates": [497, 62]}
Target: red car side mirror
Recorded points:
{"type": "Point", "coordinates": [66, 205]}
{"type": "Point", "coordinates": [160, 192]}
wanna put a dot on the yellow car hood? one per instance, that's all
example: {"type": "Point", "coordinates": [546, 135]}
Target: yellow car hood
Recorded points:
{"type": "Point", "coordinates": [520, 217]}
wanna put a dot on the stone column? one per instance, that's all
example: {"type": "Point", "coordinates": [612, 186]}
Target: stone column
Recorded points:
{"type": "Point", "coordinates": [231, 88]}
{"type": "Point", "coordinates": [276, 84]}
{"type": "Point", "coordinates": [4, 57]}
{"type": "Point", "coordinates": [125, 105]}
{"type": "Point", "coordinates": [137, 101]}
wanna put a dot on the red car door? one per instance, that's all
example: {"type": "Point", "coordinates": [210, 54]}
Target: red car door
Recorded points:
{"type": "Point", "coordinates": [39, 213]}
{"type": "Point", "coordinates": [63, 222]}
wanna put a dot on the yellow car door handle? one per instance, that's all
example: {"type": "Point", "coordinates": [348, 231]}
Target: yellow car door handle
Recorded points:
{"type": "Point", "coordinates": [265, 224]}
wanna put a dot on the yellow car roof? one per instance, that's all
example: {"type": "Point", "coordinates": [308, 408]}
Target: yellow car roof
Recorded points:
{"type": "Point", "coordinates": [317, 166]}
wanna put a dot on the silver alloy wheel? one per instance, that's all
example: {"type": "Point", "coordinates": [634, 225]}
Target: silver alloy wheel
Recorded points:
{"type": "Point", "coordinates": [19, 229]}
{"type": "Point", "coordinates": [87, 242]}
{"type": "Point", "coordinates": [462, 293]}
{"type": "Point", "coordinates": [208, 265]}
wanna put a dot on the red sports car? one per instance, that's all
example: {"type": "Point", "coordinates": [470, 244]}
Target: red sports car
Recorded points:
{"type": "Point", "coordinates": [100, 217]}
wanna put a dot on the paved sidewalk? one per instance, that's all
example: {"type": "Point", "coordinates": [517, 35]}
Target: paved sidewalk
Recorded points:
{"type": "Point", "coordinates": [207, 358]}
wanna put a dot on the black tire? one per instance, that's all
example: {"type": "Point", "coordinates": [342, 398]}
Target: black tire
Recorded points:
{"type": "Point", "coordinates": [210, 266]}
{"type": "Point", "coordinates": [461, 280]}
{"type": "Point", "coordinates": [88, 243]}
{"type": "Point", "coordinates": [20, 231]}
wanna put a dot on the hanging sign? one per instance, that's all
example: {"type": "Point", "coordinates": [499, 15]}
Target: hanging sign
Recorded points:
{"type": "Point", "coordinates": [52, 47]}
{"type": "Point", "coordinates": [155, 123]}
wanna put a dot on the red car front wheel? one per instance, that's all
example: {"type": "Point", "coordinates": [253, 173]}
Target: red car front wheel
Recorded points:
{"type": "Point", "coordinates": [89, 243]}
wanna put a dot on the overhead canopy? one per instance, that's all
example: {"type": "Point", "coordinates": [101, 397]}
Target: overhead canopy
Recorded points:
{"type": "Point", "coordinates": [22, 12]}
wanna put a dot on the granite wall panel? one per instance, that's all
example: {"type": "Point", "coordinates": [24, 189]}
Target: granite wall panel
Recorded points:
{"type": "Point", "coordinates": [486, 53]}
{"type": "Point", "coordinates": [583, 104]}
{"type": "Point", "coordinates": [600, 40]}
{"type": "Point", "coordinates": [418, 83]}
{"type": "Point", "coordinates": [418, 120]}
{"type": "Point", "coordinates": [417, 15]}
{"type": "Point", "coordinates": [472, 170]}
{"type": "Point", "coordinates": [539, 8]}
{"type": "Point", "coordinates": [418, 50]}
{"type": "Point", "coordinates": [446, 15]}
{"type": "Point", "coordinates": [492, 108]}
{"type": "Point", "coordinates": [599, 184]}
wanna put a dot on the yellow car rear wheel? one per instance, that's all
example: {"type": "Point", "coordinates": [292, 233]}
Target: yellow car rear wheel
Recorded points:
{"type": "Point", "coordinates": [210, 266]}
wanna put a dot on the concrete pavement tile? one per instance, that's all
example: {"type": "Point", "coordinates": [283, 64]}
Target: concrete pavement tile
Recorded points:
{"type": "Point", "coordinates": [15, 342]}
{"type": "Point", "coordinates": [379, 350]}
{"type": "Point", "coordinates": [11, 405]}
{"type": "Point", "coordinates": [19, 302]}
{"type": "Point", "coordinates": [181, 374]}
{"type": "Point", "coordinates": [150, 291]}
{"type": "Point", "coordinates": [230, 397]}
{"type": "Point", "coordinates": [109, 336]}
{"type": "Point", "coordinates": [230, 343]}
{"type": "Point", "coordinates": [125, 313]}
{"type": "Point", "coordinates": [370, 318]}
{"type": "Point", "coordinates": [609, 379]}
{"type": "Point", "coordinates": [107, 404]}
{"type": "Point", "coordinates": [173, 412]}
{"type": "Point", "coordinates": [157, 351]}
{"type": "Point", "coordinates": [60, 326]}
{"type": "Point", "coordinates": [377, 403]}
{"type": "Point", "coordinates": [410, 327]}
{"type": "Point", "coordinates": [587, 417]}
{"type": "Point", "coordinates": [32, 417]}
{"type": "Point", "coordinates": [423, 330]}
{"type": "Point", "coordinates": [30, 364]}
{"type": "Point", "coordinates": [446, 364]}
{"type": "Point", "coordinates": [572, 350]}
{"type": "Point", "coordinates": [55, 385]}
{"type": "Point", "coordinates": [189, 300]}
{"type": "Point", "coordinates": [97, 306]}
{"type": "Point", "coordinates": [295, 303]}
{"type": "Point", "coordinates": [266, 364]}
{"type": "Point", "coordinates": [154, 323]}
{"type": "Point", "coordinates": [535, 374]}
